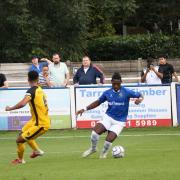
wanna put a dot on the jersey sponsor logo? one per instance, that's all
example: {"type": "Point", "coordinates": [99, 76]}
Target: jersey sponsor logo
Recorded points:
{"type": "Point", "coordinates": [113, 103]}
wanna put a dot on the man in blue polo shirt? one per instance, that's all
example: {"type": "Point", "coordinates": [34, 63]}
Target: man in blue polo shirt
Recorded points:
{"type": "Point", "coordinates": [116, 115]}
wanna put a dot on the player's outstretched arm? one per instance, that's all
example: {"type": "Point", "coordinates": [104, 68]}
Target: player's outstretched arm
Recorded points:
{"type": "Point", "coordinates": [19, 105]}
{"type": "Point", "coordinates": [91, 106]}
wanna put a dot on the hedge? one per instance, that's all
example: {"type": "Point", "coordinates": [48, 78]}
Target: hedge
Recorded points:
{"type": "Point", "coordinates": [134, 47]}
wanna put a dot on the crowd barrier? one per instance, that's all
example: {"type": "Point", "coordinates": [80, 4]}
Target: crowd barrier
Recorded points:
{"type": "Point", "coordinates": [161, 106]}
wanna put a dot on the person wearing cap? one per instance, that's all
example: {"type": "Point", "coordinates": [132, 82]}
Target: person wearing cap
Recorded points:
{"type": "Point", "coordinates": [38, 66]}
{"type": "Point", "coordinates": [114, 120]}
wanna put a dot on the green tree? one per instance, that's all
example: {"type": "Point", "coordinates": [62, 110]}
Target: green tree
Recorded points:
{"type": "Point", "coordinates": [43, 27]}
{"type": "Point", "coordinates": [160, 12]}
{"type": "Point", "coordinates": [19, 29]}
{"type": "Point", "coordinates": [108, 16]}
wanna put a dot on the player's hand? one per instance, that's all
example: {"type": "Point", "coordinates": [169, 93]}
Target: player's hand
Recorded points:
{"type": "Point", "coordinates": [80, 112]}
{"type": "Point", "coordinates": [138, 101]}
{"type": "Point", "coordinates": [8, 108]}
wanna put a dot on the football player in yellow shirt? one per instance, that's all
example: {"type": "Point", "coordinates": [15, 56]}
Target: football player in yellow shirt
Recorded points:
{"type": "Point", "coordinates": [39, 122]}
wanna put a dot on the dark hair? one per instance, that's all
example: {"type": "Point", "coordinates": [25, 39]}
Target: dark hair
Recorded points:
{"type": "Point", "coordinates": [56, 54]}
{"type": "Point", "coordinates": [87, 57]}
{"type": "Point", "coordinates": [34, 57]}
{"type": "Point", "coordinates": [45, 65]}
{"type": "Point", "coordinates": [33, 76]}
{"type": "Point", "coordinates": [116, 76]}
{"type": "Point", "coordinates": [162, 56]}
{"type": "Point", "coordinates": [150, 60]}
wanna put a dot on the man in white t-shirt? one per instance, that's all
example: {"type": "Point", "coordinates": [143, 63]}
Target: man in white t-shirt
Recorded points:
{"type": "Point", "coordinates": [59, 72]}
{"type": "Point", "coordinates": [150, 74]}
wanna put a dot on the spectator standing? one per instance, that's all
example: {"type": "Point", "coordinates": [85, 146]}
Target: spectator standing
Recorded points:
{"type": "Point", "coordinates": [87, 74]}
{"type": "Point", "coordinates": [59, 72]}
{"type": "Point", "coordinates": [36, 65]}
{"type": "Point", "coordinates": [44, 79]}
{"type": "Point", "coordinates": [3, 81]}
{"type": "Point", "coordinates": [167, 70]}
{"type": "Point", "coordinates": [150, 74]}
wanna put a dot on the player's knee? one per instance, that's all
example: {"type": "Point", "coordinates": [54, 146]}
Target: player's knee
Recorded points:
{"type": "Point", "coordinates": [99, 128]}
{"type": "Point", "coordinates": [20, 140]}
{"type": "Point", "coordinates": [17, 141]}
{"type": "Point", "coordinates": [111, 137]}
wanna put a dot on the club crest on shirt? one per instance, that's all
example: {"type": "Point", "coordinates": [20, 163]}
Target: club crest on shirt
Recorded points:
{"type": "Point", "coordinates": [120, 94]}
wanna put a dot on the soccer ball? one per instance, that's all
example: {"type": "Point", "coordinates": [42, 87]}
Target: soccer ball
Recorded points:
{"type": "Point", "coordinates": [118, 152]}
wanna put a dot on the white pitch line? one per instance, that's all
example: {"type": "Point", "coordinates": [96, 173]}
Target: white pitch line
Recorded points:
{"type": "Point", "coordinates": [55, 152]}
{"type": "Point", "coordinates": [80, 152]}
{"type": "Point", "coordinates": [69, 137]}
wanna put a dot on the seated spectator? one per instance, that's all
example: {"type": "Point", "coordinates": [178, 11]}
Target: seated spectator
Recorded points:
{"type": "Point", "coordinates": [36, 65]}
{"type": "Point", "coordinates": [167, 70]}
{"type": "Point", "coordinates": [3, 81]}
{"type": "Point", "coordinates": [59, 72]}
{"type": "Point", "coordinates": [87, 74]}
{"type": "Point", "coordinates": [150, 74]}
{"type": "Point", "coordinates": [44, 79]}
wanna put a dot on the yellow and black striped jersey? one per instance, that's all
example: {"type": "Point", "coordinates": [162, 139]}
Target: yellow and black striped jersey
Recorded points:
{"type": "Point", "coordinates": [38, 106]}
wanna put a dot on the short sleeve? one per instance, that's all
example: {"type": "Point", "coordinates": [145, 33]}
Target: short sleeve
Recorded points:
{"type": "Point", "coordinates": [133, 94]}
{"type": "Point", "coordinates": [160, 70]}
{"type": "Point", "coordinates": [172, 69]}
{"type": "Point", "coordinates": [103, 98]}
{"type": "Point", "coordinates": [30, 93]}
{"type": "Point", "coordinates": [66, 69]}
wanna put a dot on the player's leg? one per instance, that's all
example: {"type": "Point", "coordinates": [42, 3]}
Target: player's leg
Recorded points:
{"type": "Point", "coordinates": [20, 150]}
{"type": "Point", "coordinates": [113, 133]}
{"type": "Point", "coordinates": [32, 143]}
{"type": "Point", "coordinates": [100, 128]}
{"type": "Point", "coordinates": [96, 132]}
{"type": "Point", "coordinates": [36, 150]}
{"type": "Point", "coordinates": [20, 141]}
{"type": "Point", "coordinates": [30, 135]}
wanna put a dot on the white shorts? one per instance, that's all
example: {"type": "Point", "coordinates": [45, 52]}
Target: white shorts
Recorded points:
{"type": "Point", "coordinates": [112, 125]}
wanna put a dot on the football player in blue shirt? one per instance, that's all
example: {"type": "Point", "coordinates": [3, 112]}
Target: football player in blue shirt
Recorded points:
{"type": "Point", "coordinates": [116, 115]}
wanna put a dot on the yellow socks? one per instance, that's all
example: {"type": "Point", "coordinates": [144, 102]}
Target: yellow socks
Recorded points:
{"type": "Point", "coordinates": [20, 150]}
{"type": "Point", "coordinates": [32, 143]}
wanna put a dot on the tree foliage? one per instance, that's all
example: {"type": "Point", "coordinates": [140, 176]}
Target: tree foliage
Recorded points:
{"type": "Point", "coordinates": [43, 27]}
{"type": "Point", "coordinates": [134, 47]}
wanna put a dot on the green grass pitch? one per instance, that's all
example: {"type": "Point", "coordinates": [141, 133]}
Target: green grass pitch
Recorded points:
{"type": "Point", "coordinates": [151, 154]}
